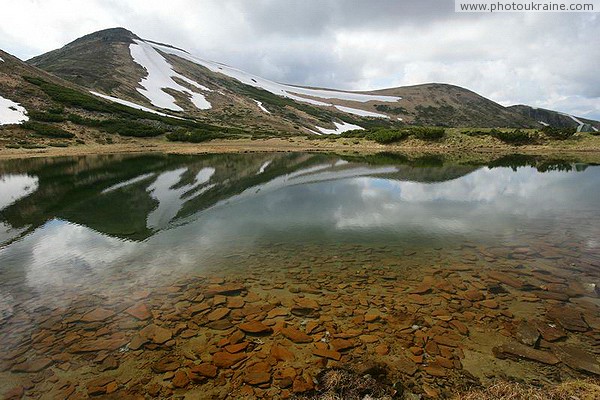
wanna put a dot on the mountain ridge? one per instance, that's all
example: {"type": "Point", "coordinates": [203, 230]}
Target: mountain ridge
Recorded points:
{"type": "Point", "coordinates": [118, 66]}
{"type": "Point", "coordinates": [428, 104]}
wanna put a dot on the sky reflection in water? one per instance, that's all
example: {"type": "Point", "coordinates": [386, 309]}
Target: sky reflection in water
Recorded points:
{"type": "Point", "coordinates": [201, 208]}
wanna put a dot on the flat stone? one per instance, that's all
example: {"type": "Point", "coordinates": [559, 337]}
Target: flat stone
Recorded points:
{"type": "Point", "coordinates": [435, 370]}
{"type": "Point", "coordinates": [382, 349]}
{"type": "Point", "coordinates": [296, 335]}
{"type": "Point", "coordinates": [506, 279]}
{"type": "Point", "coordinates": [139, 311]}
{"type": "Point", "coordinates": [447, 340]}
{"type": "Point", "coordinates": [180, 379]}
{"type": "Point", "coordinates": [218, 314]}
{"type": "Point", "coordinates": [369, 338]}
{"type": "Point", "coordinates": [568, 317]}
{"type": "Point", "coordinates": [460, 327]}
{"type": "Point", "coordinates": [527, 333]}
{"type": "Point", "coordinates": [97, 315]}
{"type": "Point", "coordinates": [220, 325]}
{"type": "Point", "coordinates": [493, 304]}
{"type": "Point", "coordinates": [156, 334]}
{"type": "Point", "coordinates": [109, 363]}
{"type": "Point", "coordinates": [473, 295]}
{"type": "Point", "coordinates": [205, 369]}
{"type": "Point", "coordinates": [281, 353]}
{"type": "Point", "coordinates": [305, 307]}
{"type": "Point", "coordinates": [32, 365]}
{"type": "Point", "coordinates": [521, 351]}
{"type": "Point", "coordinates": [98, 386]}
{"type": "Point", "coordinates": [325, 353]}
{"type": "Point", "coordinates": [166, 364]}
{"type": "Point", "coordinates": [90, 346]}
{"type": "Point", "coordinates": [277, 312]}
{"type": "Point", "coordinates": [224, 359]}
{"type": "Point", "coordinates": [257, 374]}
{"type": "Point", "coordinates": [551, 295]}
{"type": "Point", "coordinates": [236, 348]}
{"type": "Point", "coordinates": [576, 358]}
{"type": "Point", "coordinates": [422, 289]}
{"type": "Point", "coordinates": [550, 332]}
{"type": "Point", "coordinates": [255, 327]}
{"type": "Point", "coordinates": [372, 316]}
{"type": "Point", "coordinates": [342, 344]}
{"type": "Point", "coordinates": [235, 302]}
{"type": "Point", "coordinates": [198, 308]}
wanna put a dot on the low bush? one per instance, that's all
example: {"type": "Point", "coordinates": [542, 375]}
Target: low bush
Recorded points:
{"type": "Point", "coordinates": [195, 136]}
{"type": "Point", "coordinates": [385, 136]}
{"type": "Point", "coordinates": [513, 137]}
{"type": "Point", "coordinates": [46, 116]}
{"type": "Point", "coordinates": [559, 133]}
{"type": "Point", "coordinates": [427, 133]}
{"type": "Point", "coordinates": [47, 130]}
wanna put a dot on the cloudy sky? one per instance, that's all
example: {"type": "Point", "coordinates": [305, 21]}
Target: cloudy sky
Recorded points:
{"type": "Point", "coordinates": [546, 60]}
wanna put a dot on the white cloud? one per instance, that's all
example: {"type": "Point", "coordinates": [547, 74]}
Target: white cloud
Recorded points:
{"type": "Point", "coordinates": [546, 60]}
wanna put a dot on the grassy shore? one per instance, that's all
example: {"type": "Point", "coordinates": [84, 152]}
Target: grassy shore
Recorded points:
{"type": "Point", "coordinates": [455, 143]}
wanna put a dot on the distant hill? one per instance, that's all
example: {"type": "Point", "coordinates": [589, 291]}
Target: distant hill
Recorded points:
{"type": "Point", "coordinates": [555, 118]}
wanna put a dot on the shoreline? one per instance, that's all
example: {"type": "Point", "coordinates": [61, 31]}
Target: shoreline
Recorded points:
{"type": "Point", "coordinates": [298, 144]}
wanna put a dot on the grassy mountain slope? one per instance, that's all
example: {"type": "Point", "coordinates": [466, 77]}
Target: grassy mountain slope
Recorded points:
{"type": "Point", "coordinates": [449, 105]}
{"type": "Point", "coordinates": [102, 61]}
{"type": "Point", "coordinates": [62, 113]}
{"type": "Point", "coordinates": [555, 118]}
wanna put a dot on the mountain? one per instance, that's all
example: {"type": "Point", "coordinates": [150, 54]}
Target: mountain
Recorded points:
{"type": "Point", "coordinates": [555, 118]}
{"type": "Point", "coordinates": [39, 109]}
{"type": "Point", "coordinates": [118, 63]}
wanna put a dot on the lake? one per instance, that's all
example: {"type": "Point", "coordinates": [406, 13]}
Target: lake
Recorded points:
{"type": "Point", "coordinates": [245, 275]}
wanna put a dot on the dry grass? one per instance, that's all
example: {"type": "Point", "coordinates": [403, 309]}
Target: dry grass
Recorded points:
{"type": "Point", "coordinates": [343, 384]}
{"type": "Point", "coordinates": [573, 390]}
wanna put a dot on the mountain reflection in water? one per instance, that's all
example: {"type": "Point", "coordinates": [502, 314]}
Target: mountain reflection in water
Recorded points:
{"type": "Point", "coordinates": [61, 217]}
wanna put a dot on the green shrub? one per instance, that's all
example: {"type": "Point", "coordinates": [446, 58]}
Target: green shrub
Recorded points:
{"type": "Point", "coordinates": [426, 133]}
{"type": "Point", "coordinates": [558, 133]}
{"type": "Point", "coordinates": [195, 136]}
{"type": "Point", "coordinates": [513, 137]}
{"type": "Point", "coordinates": [391, 110]}
{"type": "Point", "coordinates": [47, 130]}
{"type": "Point", "coordinates": [45, 117]}
{"type": "Point", "coordinates": [386, 136]}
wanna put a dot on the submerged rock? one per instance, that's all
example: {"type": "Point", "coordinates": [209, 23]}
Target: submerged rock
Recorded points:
{"type": "Point", "coordinates": [520, 351]}
{"type": "Point", "coordinates": [568, 317]}
{"type": "Point", "coordinates": [576, 358]}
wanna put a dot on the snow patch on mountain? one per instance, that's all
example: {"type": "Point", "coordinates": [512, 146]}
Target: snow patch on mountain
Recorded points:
{"type": "Point", "coordinates": [339, 128]}
{"type": "Point", "coordinates": [263, 167]}
{"type": "Point", "coordinates": [260, 105]}
{"type": "Point", "coordinates": [160, 76]}
{"type": "Point", "coordinates": [11, 112]}
{"type": "Point", "coordinates": [291, 92]}
{"type": "Point", "coordinates": [130, 104]}
{"type": "Point", "coordinates": [1, 59]}
{"type": "Point", "coordinates": [362, 113]}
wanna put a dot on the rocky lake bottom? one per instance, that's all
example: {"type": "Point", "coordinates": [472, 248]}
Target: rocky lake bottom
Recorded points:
{"type": "Point", "coordinates": [263, 312]}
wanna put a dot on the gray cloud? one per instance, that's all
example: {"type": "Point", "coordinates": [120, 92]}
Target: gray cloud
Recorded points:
{"type": "Point", "coordinates": [546, 60]}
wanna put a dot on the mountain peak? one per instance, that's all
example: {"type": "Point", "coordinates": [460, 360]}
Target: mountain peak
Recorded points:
{"type": "Point", "coordinates": [117, 34]}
